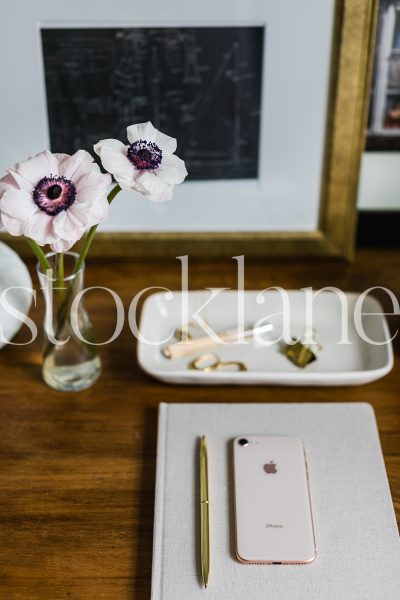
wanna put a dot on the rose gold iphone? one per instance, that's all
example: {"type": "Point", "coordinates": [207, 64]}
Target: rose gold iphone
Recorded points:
{"type": "Point", "coordinates": [272, 501]}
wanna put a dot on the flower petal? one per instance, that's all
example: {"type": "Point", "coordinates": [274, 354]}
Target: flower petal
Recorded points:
{"type": "Point", "coordinates": [20, 182]}
{"type": "Point", "coordinates": [18, 204]}
{"type": "Point", "coordinates": [61, 157]}
{"type": "Point", "coordinates": [156, 189]}
{"type": "Point", "coordinates": [118, 164]}
{"type": "Point", "coordinates": [90, 213]}
{"type": "Point", "coordinates": [6, 182]}
{"type": "Point", "coordinates": [172, 170]}
{"type": "Point", "coordinates": [61, 246]}
{"type": "Point", "coordinates": [67, 227]}
{"type": "Point", "coordinates": [77, 165]}
{"type": "Point", "coordinates": [40, 228]}
{"type": "Point", "coordinates": [13, 226]}
{"type": "Point", "coordinates": [166, 143]}
{"type": "Point", "coordinates": [37, 167]}
{"type": "Point", "coordinates": [141, 131]}
{"type": "Point", "coordinates": [93, 186]}
{"type": "Point", "coordinates": [109, 144]}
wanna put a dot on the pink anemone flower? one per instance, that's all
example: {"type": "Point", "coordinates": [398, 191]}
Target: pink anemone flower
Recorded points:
{"type": "Point", "coordinates": [54, 198]}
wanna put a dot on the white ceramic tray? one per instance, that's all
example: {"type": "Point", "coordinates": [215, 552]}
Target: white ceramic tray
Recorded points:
{"type": "Point", "coordinates": [350, 364]}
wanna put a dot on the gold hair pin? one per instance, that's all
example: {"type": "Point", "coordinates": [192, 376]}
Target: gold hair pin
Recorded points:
{"type": "Point", "coordinates": [211, 362]}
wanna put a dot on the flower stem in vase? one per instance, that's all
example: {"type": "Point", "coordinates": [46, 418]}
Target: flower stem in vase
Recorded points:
{"type": "Point", "coordinates": [40, 255]}
{"type": "Point", "coordinates": [70, 360]}
{"type": "Point", "coordinates": [61, 286]}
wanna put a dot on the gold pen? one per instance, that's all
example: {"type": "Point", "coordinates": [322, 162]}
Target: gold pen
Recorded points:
{"type": "Point", "coordinates": [204, 513]}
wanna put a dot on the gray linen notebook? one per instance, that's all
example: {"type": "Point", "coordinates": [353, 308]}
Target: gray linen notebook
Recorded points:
{"type": "Point", "coordinates": [358, 550]}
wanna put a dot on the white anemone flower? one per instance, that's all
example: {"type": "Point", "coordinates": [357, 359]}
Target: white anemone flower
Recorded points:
{"type": "Point", "coordinates": [147, 164]}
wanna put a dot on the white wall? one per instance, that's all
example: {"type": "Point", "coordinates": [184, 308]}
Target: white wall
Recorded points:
{"type": "Point", "coordinates": [379, 187]}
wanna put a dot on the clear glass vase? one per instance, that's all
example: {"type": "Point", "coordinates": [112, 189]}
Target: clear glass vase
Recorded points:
{"type": "Point", "coordinates": [70, 360]}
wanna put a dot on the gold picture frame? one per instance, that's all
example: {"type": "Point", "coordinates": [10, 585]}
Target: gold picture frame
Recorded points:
{"type": "Point", "coordinates": [352, 54]}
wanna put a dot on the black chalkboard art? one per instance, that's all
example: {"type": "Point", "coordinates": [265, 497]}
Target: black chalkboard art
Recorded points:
{"type": "Point", "coordinates": [201, 85]}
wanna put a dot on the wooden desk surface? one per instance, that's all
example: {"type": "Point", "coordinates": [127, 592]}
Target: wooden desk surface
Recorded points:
{"type": "Point", "coordinates": [77, 470]}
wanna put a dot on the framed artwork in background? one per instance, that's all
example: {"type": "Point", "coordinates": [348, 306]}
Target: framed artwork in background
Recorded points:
{"type": "Point", "coordinates": [379, 184]}
{"type": "Point", "coordinates": [203, 84]}
{"type": "Point", "coordinates": [271, 130]}
{"type": "Point", "coordinates": [384, 115]}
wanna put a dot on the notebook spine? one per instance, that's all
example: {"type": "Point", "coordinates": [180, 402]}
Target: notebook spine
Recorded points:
{"type": "Point", "coordinates": [159, 504]}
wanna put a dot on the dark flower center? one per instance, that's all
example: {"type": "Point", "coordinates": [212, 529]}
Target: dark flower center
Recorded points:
{"type": "Point", "coordinates": [54, 194]}
{"type": "Point", "coordinates": [145, 155]}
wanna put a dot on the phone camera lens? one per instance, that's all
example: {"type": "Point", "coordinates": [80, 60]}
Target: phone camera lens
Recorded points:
{"type": "Point", "coordinates": [243, 442]}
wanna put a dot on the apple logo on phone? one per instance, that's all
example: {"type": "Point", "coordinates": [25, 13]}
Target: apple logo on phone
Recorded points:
{"type": "Point", "coordinates": [270, 467]}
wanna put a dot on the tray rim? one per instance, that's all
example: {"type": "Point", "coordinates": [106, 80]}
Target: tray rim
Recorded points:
{"type": "Point", "coordinates": [278, 378]}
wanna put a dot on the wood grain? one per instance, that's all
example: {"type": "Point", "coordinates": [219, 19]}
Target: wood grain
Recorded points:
{"type": "Point", "coordinates": [77, 470]}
